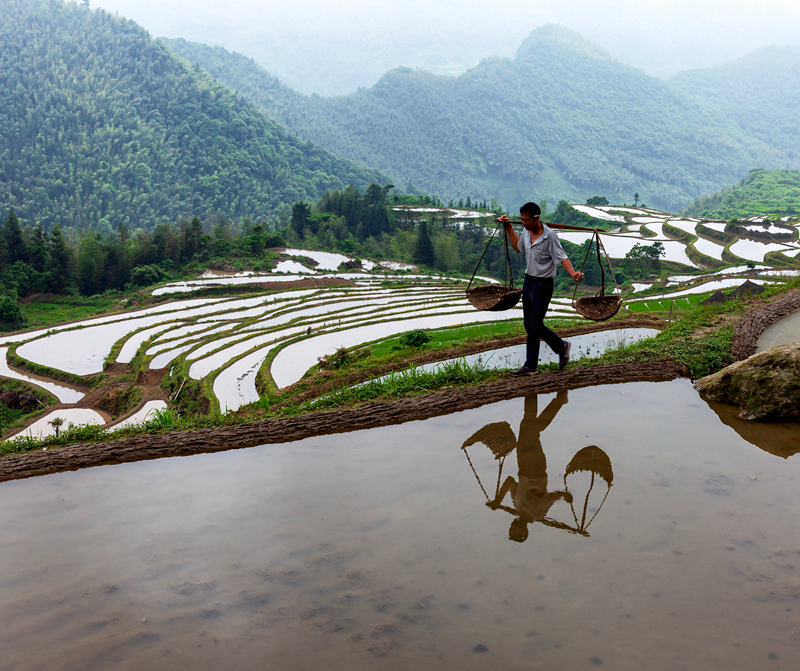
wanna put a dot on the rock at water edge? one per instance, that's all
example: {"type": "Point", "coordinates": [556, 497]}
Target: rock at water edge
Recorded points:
{"type": "Point", "coordinates": [766, 385]}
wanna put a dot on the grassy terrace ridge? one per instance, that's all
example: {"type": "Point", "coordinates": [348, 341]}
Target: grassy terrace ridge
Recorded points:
{"type": "Point", "coordinates": [701, 340]}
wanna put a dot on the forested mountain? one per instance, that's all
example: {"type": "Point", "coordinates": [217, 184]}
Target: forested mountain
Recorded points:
{"type": "Point", "coordinates": [102, 125]}
{"type": "Point", "coordinates": [767, 192]}
{"type": "Point", "coordinates": [560, 120]}
{"type": "Point", "coordinates": [760, 93]}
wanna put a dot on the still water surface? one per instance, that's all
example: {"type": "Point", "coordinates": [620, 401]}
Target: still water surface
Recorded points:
{"type": "Point", "coordinates": [782, 332]}
{"type": "Point", "coordinates": [409, 547]}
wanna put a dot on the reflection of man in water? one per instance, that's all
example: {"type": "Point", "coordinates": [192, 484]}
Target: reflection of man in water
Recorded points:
{"type": "Point", "coordinates": [529, 493]}
{"type": "Point", "coordinates": [531, 498]}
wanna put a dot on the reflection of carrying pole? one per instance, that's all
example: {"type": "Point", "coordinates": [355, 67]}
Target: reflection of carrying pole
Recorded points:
{"type": "Point", "coordinates": [463, 447]}
{"type": "Point", "coordinates": [477, 477]}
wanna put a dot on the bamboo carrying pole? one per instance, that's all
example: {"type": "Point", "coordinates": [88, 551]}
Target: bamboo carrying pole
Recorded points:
{"type": "Point", "coordinates": [599, 306]}
{"type": "Point", "coordinates": [565, 227]}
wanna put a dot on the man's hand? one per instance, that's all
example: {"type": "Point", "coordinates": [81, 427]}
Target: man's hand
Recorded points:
{"type": "Point", "coordinates": [578, 276]}
{"type": "Point", "coordinates": [503, 219]}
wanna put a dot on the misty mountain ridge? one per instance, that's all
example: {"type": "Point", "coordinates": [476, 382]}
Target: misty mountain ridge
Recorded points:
{"type": "Point", "coordinates": [561, 120]}
{"type": "Point", "coordinates": [759, 92]}
{"type": "Point", "coordinates": [563, 37]}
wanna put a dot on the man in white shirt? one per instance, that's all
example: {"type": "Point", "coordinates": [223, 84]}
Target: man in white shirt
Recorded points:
{"type": "Point", "coordinates": [543, 253]}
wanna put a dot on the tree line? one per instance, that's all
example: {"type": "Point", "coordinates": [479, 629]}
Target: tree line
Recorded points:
{"type": "Point", "coordinates": [69, 261]}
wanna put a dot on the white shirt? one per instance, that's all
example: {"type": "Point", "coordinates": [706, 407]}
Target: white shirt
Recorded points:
{"type": "Point", "coordinates": [543, 256]}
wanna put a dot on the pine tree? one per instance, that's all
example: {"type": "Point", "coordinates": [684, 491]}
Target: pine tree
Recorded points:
{"type": "Point", "coordinates": [60, 264]}
{"type": "Point", "coordinates": [423, 252]}
{"type": "Point", "coordinates": [300, 213]}
{"type": "Point", "coordinates": [37, 249]}
{"type": "Point", "coordinates": [12, 240]}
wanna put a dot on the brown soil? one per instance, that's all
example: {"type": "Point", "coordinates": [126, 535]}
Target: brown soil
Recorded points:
{"type": "Point", "coordinates": [366, 416]}
{"type": "Point", "coordinates": [753, 324]}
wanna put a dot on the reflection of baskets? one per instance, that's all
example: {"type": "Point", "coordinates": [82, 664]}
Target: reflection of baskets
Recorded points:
{"type": "Point", "coordinates": [493, 297]}
{"type": "Point", "coordinates": [594, 460]}
{"type": "Point", "coordinates": [597, 307]}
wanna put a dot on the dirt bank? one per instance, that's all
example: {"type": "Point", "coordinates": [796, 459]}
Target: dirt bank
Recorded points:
{"type": "Point", "coordinates": [752, 325]}
{"type": "Point", "coordinates": [339, 421]}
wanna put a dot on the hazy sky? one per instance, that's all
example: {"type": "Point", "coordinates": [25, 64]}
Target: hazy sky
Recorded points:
{"type": "Point", "coordinates": [661, 37]}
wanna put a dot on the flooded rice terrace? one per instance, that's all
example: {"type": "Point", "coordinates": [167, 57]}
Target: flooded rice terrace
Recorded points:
{"type": "Point", "coordinates": [624, 527]}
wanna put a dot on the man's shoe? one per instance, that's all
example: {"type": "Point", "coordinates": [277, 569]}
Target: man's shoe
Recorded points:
{"type": "Point", "coordinates": [524, 371]}
{"type": "Point", "coordinates": [563, 358]}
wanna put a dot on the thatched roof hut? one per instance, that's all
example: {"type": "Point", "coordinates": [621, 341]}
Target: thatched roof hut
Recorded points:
{"type": "Point", "coordinates": [747, 289]}
{"type": "Point", "coordinates": [715, 299]}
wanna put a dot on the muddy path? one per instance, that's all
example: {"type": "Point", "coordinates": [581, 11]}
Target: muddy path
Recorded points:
{"type": "Point", "coordinates": [366, 416]}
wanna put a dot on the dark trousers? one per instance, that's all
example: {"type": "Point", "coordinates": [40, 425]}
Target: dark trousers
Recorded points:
{"type": "Point", "coordinates": [536, 295]}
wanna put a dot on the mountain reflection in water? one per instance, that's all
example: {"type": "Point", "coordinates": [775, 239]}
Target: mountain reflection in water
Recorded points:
{"type": "Point", "coordinates": [531, 501]}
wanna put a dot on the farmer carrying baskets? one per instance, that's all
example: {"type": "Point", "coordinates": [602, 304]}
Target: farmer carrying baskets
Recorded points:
{"type": "Point", "coordinates": [543, 253]}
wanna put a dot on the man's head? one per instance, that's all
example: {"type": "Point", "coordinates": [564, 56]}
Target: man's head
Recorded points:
{"type": "Point", "coordinates": [518, 531]}
{"type": "Point", "coordinates": [530, 208]}
{"type": "Point", "coordinates": [529, 213]}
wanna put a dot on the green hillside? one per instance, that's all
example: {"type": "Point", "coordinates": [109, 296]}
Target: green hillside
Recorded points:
{"type": "Point", "coordinates": [759, 92]}
{"type": "Point", "coordinates": [561, 120]}
{"type": "Point", "coordinates": [103, 125]}
{"type": "Point", "coordinates": [767, 192]}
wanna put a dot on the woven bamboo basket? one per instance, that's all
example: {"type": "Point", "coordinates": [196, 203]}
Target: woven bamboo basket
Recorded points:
{"type": "Point", "coordinates": [493, 297]}
{"type": "Point", "coordinates": [597, 308]}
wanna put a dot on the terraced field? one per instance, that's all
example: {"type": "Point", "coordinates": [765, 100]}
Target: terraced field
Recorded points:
{"type": "Point", "coordinates": [224, 342]}
{"type": "Point", "coordinates": [272, 335]}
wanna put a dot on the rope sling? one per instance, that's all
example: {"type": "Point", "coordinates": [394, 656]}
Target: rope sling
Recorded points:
{"type": "Point", "coordinates": [600, 306]}
{"type": "Point", "coordinates": [497, 297]}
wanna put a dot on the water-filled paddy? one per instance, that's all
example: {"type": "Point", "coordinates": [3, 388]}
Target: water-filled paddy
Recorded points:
{"type": "Point", "coordinates": [755, 251]}
{"type": "Point", "coordinates": [599, 214]}
{"type": "Point", "coordinates": [293, 361]}
{"type": "Point", "coordinates": [148, 411]}
{"type": "Point", "coordinates": [43, 426]}
{"type": "Point", "coordinates": [709, 248]}
{"type": "Point", "coordinates": [377, 549]}
{"type": "Point", "coordinates": [782, 332]}
{"type": "Point", "coordinates": [63, 392]}
{"type": "Point", "coordinates": [586, 346]}
{"type": "Point", "coordinates": [708, 287]}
